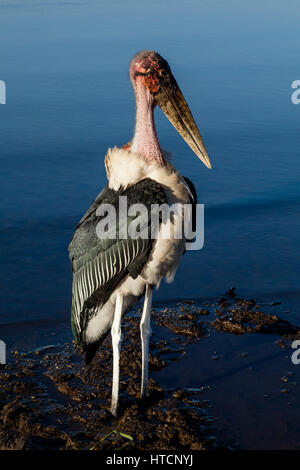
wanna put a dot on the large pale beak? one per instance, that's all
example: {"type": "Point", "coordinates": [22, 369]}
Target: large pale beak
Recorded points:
{"type": "Point", "coordinates": [172, 102]}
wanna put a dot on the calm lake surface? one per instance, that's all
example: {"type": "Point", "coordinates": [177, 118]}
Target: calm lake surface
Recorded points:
{"type": "Point", "coordinates": [69, 98]}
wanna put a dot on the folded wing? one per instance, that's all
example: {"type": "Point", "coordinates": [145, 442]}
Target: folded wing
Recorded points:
{"type": "Point", "coordinates": [100, 264]}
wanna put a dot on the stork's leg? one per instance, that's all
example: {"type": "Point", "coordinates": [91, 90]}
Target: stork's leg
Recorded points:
{"type": "Point", "coordinates": [145, 327]}
{"type": "Point", "coordinates": [116, 344]}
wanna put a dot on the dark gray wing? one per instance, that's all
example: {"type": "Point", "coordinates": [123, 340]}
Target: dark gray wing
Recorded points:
{"type": "Point", "coordinates": [99, 264]}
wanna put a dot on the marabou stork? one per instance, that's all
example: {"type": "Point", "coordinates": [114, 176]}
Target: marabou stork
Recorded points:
{"type": "Point", "coordinates": [111, 275]}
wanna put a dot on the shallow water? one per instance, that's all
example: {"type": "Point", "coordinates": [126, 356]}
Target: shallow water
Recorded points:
{"type": "Point", "coordinates": [244, 379]}
{"type": "Point", "coordinates": [69, 98]}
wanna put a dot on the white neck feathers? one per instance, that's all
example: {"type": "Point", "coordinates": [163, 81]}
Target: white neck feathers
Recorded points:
{"type": "Point", "coordinates": [125, 168]}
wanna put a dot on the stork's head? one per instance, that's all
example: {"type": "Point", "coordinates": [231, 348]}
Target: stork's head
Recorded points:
{"type": "Point", "coordinates": [151, 71]}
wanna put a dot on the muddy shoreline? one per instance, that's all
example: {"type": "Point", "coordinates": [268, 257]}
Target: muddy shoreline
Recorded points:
{"type": "Point", "coordinates": [50, 400]}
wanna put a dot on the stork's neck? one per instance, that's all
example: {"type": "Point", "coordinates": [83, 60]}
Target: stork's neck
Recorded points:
{"type": "Point", "coordinates": [145, 141]}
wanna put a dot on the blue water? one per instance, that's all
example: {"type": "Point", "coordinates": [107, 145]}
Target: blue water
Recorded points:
{"type": "Point", "coordinates": [65, 64]}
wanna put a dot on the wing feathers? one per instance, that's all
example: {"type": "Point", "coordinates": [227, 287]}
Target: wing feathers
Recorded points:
{"type": "Point", "coordinates": [96, 262]}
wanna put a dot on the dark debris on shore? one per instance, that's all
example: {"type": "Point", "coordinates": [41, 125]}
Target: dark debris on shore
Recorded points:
{"type": "Point", "coordinates": [50, 400]}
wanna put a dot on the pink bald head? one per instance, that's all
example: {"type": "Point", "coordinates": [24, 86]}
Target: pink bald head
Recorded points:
{"type": "Point", "coordinates": [150, 68]}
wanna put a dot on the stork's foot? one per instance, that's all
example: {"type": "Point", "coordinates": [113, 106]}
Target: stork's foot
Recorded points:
{"type": "Point", "coordinates": [114, 407]}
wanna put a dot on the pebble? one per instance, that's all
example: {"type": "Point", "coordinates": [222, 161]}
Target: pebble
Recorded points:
{"type": "Point", "coordinates": [243, 354]}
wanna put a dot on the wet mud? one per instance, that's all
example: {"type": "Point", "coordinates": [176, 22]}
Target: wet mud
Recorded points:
{"type": "Point", "coordinates": [50, 400]}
